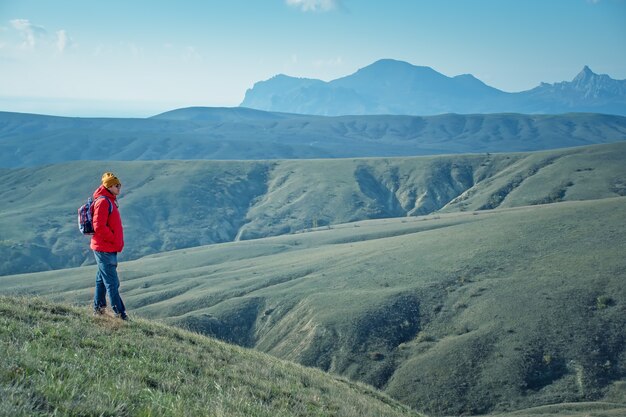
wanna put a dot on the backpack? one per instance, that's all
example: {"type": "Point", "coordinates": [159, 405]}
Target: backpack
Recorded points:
{"type": "Point", "coordinates": [85, 215]}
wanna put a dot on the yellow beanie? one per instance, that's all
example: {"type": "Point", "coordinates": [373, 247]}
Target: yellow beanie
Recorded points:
{"type": "Point", "coordinates": [109, 180]}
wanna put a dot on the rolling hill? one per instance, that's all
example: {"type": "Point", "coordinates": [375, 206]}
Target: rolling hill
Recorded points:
{"type": "Point", "coordinates": [457, 313]}
{"type": "Point", "coordinates": [395, 87]}
{"type": "Point", "coordinates": [28, 140]}
{"type": "Point", "coordinates": [169, 205]}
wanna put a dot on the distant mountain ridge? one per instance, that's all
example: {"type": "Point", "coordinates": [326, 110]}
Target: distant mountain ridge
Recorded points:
{"type": "Point", "coordinates": [247, 134]}
{"type": "Point", "coordinates": [396, 87]}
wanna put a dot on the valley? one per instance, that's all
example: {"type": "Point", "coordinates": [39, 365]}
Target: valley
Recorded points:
{"type": "Point", "coordinates": [465, 312]}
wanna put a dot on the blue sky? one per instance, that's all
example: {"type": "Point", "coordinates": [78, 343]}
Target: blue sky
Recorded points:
{"type": "Point", "coordinates": [137, 58]}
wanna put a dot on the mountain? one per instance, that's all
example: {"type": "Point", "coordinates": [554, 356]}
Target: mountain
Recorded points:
{"type": "Point", "coordinates": [246, 134]}
{"type": "Point", "coordinates": [482, 312]}
{"type": "Point", "coordinates": [385, 87]}
{"type": "Point", "coordinates": [169, 205]}
{"type": "Point", "coordinates": [586, 92]}
{"type": "Point", "coordinates": [220, 115]}
{"type": "Point", "coordinates": [58, 360]}
{"type": "Point", "coordinates": [396, 87]}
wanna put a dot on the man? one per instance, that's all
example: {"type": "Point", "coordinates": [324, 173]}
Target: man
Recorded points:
{"type": "Point", "coordinates": [106, 242]}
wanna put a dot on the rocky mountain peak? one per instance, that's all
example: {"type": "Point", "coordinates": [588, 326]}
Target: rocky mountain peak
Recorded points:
{"type": "Point", "coordinates": [584, 76]}
{"type": "Point", "coordinates": [594, 85]}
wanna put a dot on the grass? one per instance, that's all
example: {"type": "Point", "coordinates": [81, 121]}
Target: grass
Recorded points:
{"type": "Point", "coordinates": [221, 201]}
{"type": "Point", "coordinates": [458, 313]}
{"type": "Point", "coordinates": [59, 360]}
{"type": "Point", "coordinates": [588, 409]}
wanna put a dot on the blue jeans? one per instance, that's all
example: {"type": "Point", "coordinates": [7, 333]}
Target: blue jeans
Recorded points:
{"type": "Point", "coordinates": [108, 282]}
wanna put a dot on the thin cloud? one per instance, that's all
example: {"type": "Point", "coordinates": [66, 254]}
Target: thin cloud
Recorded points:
{"type": "Point", "coordinates": [63, 40]}
{"type": "Point", "coordinates": [314, 5]}
{"type": "Point", "coordinates": [30, 33]}
{"type": "Point", "coordinates": [36, 37]}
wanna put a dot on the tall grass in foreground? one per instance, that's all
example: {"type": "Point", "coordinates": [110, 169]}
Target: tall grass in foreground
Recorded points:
{"type": "Point", "coordinates": [58, 360]}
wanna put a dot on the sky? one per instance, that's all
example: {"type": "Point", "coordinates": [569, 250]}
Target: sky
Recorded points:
{"type": "Point", "coordinates": [138, 58]}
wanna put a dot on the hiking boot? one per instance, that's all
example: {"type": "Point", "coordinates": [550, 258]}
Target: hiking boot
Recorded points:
{"type": "Point", "coordinates": [122, 316]}
{"type": "Point", "coordinates": [99, 311]}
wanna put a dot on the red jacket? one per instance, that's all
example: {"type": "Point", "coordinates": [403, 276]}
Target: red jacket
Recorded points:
{"type": "Point", "coordinates": [109, 233]}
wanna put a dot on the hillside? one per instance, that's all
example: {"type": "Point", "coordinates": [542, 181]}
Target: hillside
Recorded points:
{"type": "Point", "coordinates": [28, 140]}
{"type": "Point", "coordinates": [168, 205]}
{"type": "Point", "coordinates": [388, 86]}
{"type": "Point", "coordinates": [459, 313]}
{"type": "Point", "coordinates": [58, 360]}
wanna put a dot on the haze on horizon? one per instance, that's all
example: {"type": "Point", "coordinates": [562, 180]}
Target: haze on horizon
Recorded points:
{"type": "Point", "coordinates": [140, 58]}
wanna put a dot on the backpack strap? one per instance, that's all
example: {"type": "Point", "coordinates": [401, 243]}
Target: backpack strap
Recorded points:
{"type": "Point", "coordinates": [110, 203]}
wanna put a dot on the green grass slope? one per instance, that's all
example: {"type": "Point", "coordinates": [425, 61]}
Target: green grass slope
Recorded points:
{"type": "Point", "coordinates": [168, 205]}
{"type": "Point", "coordinates": [585, 409]}
{"type": "Point", "coordinates": [458, 313]}
{"type": "Point", "coordinates": [58, 360]}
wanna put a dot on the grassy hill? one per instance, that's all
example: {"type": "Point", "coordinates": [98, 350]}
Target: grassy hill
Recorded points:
{"type": "Point", "coordinates": [454, 313]}
{"type": "Point", "coordinates": [246, 134]}
{"type": "Point", "coordinates": [168, 205]}
{"type": "Point", "coordinates": [58, 360]}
